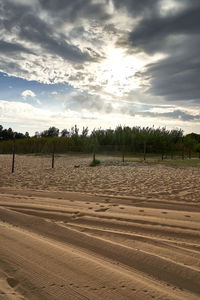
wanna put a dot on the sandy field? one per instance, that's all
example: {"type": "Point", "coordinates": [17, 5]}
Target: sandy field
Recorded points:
{"type": "Point", "coordinates": [115, 231]}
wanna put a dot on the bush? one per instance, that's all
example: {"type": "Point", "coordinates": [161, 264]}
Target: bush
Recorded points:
{"type": "Point", "coordinates": [94, 163]}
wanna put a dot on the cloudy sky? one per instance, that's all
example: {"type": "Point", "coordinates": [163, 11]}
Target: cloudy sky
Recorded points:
{"type": "Point", "coordinates": [99, 63]}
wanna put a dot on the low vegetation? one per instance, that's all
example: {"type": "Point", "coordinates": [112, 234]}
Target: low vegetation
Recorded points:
{"type": "Point", "coordinates": [124, 141]}
{"type": "Point", "coordinates": [94, 163]}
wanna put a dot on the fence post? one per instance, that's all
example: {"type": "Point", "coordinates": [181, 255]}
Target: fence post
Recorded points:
{"type": "Point", "coordinates": [94, 152]}
{"type": "Point", "coordinates": [145, 147]}
{"type": "Point", "coordinates": [94, 155]}
{"type": "Point", "coordinates": [53, 155]}
{"type": "Point", "coordinates": [13, 157]}
{"type": "Point", "coordinates": [95, 145]}
{"type": "Point", "coordinates": [123, 153]}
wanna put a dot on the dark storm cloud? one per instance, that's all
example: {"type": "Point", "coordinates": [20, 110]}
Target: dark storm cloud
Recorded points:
{"type": "Point", "coordinates": [25, 24]}
{"type": "Point", "coordinates": [72, 10]}
{"type": "Point", "coordinates": [136, 7]}
{"type": "Point", "coordinates": [176, 115]}
{"type": "Point", "coordinates": [6, 47]}
{"type": "Point", "coordinates": [177, 78]}
{"type": "Point", "coordinates": [176, 34]}
{"type": "Point", "coordinates": [153, 34]}
{"type": "Point", "coordinates": [38, 32]}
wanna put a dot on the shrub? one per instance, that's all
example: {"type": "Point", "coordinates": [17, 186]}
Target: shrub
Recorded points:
{"type": "Point", "coordinates": [94, 163]}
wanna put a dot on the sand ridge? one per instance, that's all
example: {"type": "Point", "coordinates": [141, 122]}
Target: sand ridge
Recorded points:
{"type": "Point", "coordinates": [63, 244]}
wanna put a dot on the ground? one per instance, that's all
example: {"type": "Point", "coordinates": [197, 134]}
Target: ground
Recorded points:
{"type": "Point", "coordinates": [114, 231]}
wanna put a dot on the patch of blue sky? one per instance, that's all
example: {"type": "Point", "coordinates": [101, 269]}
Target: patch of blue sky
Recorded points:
{"type": "Point", "coordinates": [11, 89]}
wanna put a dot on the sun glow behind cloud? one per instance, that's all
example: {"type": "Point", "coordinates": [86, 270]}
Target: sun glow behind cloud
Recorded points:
{"type": "Point", "coordinates": [118, 72]}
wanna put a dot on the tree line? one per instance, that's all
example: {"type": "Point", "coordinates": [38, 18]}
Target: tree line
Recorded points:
{"type": "Point", "coordinates": [123, 139]}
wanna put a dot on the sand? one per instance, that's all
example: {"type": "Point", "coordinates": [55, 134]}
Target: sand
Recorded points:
{"type": "Point", "coordinates": [116, 231]}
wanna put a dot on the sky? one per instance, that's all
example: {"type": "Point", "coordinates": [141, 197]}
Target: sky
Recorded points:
{"type": "Point", "coordinates": [99, 63]}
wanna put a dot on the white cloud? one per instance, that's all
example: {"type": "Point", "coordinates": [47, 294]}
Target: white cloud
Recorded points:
{"type": "Point", "coordinates": [28, 93]}
{"type": "Point", "coordinates": [25, 117]}
{"type": "Point", "coordinates": [54, 93]}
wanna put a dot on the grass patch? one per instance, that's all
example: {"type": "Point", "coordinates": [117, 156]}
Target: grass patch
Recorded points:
{"type": "Point", "coordinates": [94, 163]}
{"type": "Point", "coordinates": [176, 163]}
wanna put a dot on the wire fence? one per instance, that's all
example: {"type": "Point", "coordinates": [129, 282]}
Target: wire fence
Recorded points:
{"type": "Point", "coordinates": [122, 153]}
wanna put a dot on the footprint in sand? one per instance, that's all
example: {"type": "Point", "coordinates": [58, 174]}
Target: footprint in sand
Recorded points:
{"type": "Point", "coordinates": [101, 209]}
{"type": "Point", "coordinates": [141, 210]}
{"type": "Point", "coordinates": [187, 216]}
{"type": "Point", "coordinates": [164, 212]}
{"type": "Point", "coordinates": [12, 282]}
{"type": "Point", "coordinates": [121, 207]}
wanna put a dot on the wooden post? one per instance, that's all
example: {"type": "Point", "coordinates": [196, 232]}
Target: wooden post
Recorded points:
{"type": "Point", "coordinates": [94, 152]}
{"type": "Point", "coordinates": [94, 155]}
{"type": "Point", "coordinates": [94, 148]}
{"type": "Point", "coordinates": [53, 155]}
{"type": "Point", "coordinates": [183, 149]}
{"type": "Point", "coordinates": [13, 157]}
{"type": "Point", "coordinates": [123, 153]}
{"type": "Point", "coordinates": [183, 154]}
{"type": "Point", "coordinates": [123, 145]}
